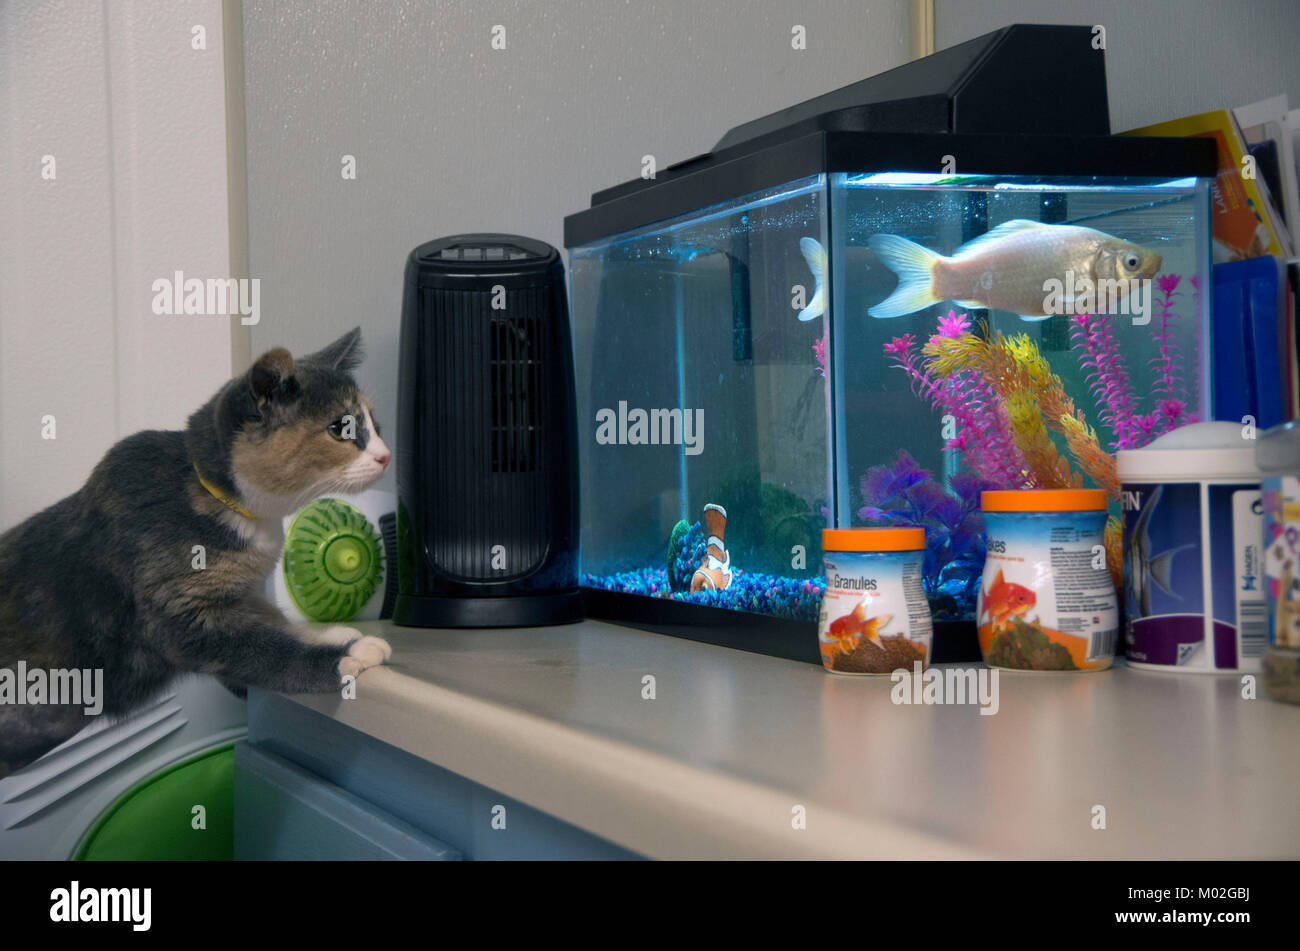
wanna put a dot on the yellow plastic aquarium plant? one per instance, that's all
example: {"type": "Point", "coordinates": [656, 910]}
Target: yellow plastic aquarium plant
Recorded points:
{"type": "Point", "coordinates": [1007, 402]}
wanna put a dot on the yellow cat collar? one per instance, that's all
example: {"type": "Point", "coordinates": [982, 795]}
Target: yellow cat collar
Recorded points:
{"type": "Point", "coordinates": [221, 496]}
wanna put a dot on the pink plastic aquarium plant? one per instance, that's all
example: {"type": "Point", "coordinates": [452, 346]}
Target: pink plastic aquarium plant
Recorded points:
{"type": "Point", "coordinates": [1111, 384]}
{"type": "Point", "coordinates": [983, 436]}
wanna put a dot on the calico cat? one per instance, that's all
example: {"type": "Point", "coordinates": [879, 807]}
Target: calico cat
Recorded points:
{"type": "Point", "coordinates": [110, 578]}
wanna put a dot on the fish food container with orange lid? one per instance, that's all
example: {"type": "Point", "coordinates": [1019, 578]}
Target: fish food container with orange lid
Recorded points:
{"type": "Point", "coordinates": [1046, 600]}
{"type": "Point", "coordinates": [875, 618]}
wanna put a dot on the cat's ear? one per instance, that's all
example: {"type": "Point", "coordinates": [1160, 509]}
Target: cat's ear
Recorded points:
{"type": "Point", "coordinates": [271, 379]}
{"type": "Point", "coordinates": [343, 354]}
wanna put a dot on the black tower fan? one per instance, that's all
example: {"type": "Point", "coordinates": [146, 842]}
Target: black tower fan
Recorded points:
{"type": "Point", "coordinates": [487, 469]}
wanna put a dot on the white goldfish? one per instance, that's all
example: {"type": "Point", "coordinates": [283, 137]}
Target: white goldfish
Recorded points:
{"type": "Point", "coordinates": [1010, 268]}
{"type": "Point", "coordinates": [815, 255]}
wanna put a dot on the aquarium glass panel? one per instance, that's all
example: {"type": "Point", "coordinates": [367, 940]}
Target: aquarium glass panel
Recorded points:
{"type": "Point", "coordinates": [703, 407]}
{"type": "Point", "coordinates": [723, 400]}
{"type": "Point", "coordinates": [957, 364]}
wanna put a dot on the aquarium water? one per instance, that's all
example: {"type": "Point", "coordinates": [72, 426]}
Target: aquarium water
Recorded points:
{"type": "Point", "coordinates": [852, 350]}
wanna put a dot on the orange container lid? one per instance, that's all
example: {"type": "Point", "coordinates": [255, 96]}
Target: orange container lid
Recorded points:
{"type": "Point", "coordinates": [1043, 500]}
{"type": "Point", "coordinates": [873, 539]}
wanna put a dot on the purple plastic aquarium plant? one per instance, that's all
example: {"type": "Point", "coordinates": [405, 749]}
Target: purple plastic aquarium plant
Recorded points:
{"type": "Point", "coordinates": [907, 496]}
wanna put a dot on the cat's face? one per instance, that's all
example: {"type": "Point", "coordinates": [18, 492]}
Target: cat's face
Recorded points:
{"type": "Point", "coordinates": [314, 432]}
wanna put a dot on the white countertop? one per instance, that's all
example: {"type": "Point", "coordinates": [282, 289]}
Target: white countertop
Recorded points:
{"type": "Point", "coordinates": [716, 764]}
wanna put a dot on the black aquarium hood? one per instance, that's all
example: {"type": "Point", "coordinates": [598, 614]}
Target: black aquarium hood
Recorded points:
{"type": "Point", "coordinates": [990, 84]}
{"type": "Point", "coordinates": [1022, 100]}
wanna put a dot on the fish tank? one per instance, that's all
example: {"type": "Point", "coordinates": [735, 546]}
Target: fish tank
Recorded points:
{"type": "Point", "coordinates": [829, 328]}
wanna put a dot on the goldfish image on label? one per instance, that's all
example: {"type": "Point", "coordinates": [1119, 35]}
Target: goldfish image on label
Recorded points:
{"type": "Point", "coordinates": [849, 631]}
{"type": "Point", "coordinates": [1007, 268]}
{"type": "Point", "coordinates": [1044, 603]}
{"type": "Point", "coordinates": [1005, 601]}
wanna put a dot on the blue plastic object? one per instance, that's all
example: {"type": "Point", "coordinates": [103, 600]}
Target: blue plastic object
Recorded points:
{"type": "Point", "coordinates": [1250, 359]}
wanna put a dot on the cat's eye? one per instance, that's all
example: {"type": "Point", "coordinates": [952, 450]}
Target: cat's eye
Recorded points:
{"type": "Point", "coordinates": [342, 428]}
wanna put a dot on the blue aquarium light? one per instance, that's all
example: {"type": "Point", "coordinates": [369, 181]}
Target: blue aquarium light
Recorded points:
{"type": "Point", "coordinates": [1177, 184]}
{"type": "Point", "coordinates": [956, 180]}
{"type": "Point", "coordinates": [899, 179]}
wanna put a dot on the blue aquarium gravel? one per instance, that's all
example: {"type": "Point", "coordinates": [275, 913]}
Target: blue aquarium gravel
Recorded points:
{"type": "Point", "coordinates": [794, 598]}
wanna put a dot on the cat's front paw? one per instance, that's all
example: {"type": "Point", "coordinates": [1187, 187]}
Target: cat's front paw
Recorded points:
{"type": "Point", "coordinates": [339, 634]}
{"type": "Point", "coordinates": [368, 651]}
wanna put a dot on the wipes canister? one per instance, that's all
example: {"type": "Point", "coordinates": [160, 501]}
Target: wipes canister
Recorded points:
{"type": "Point", "coordinates": [1194, 593]}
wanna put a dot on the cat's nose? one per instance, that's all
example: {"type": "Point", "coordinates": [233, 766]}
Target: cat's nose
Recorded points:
{"type": "Point", "coordinates": [383, 459]}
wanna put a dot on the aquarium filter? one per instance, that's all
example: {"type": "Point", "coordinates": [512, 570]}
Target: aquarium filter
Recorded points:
{"type": "Point", "coordinates": [487, 473]}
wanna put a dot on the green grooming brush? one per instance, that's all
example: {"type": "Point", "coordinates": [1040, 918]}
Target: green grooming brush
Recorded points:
{"type": "Point", "coordinates": [332, 561]}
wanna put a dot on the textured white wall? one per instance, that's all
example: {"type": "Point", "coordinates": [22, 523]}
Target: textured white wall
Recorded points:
{"type": "Point", "coordinates": [451, 136]}
{"type": "Point", "coordinates": [1164, 58]}
{"type": "Point", "coordinates": [135, 119]}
